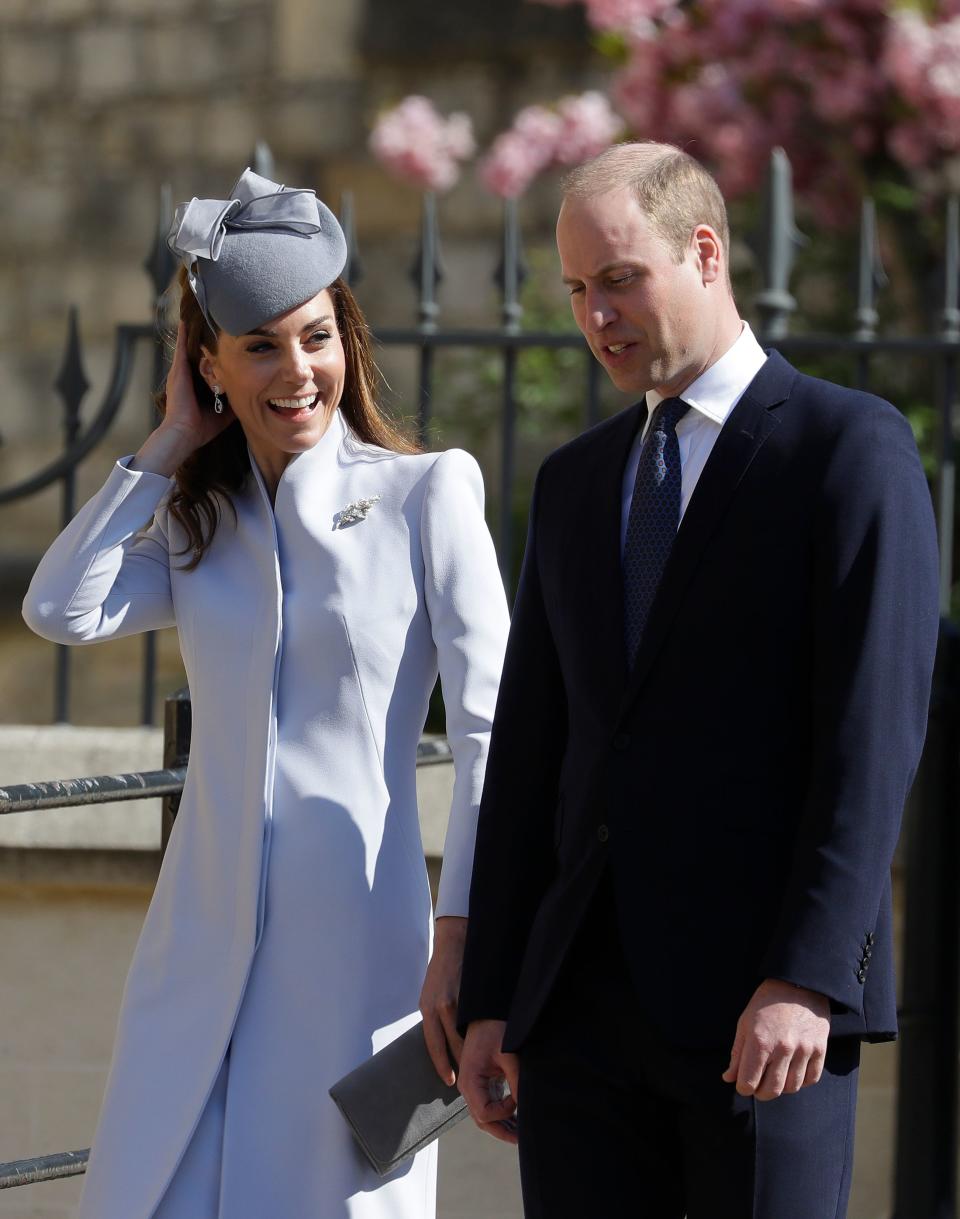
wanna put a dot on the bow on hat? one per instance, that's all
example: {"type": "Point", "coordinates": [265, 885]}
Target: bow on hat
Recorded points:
{"type": "Point", "coordinates": [200, 226]}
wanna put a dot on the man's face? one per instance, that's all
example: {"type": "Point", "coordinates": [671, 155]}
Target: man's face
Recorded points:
{"type": "Point", "coordinates": [645, 316]}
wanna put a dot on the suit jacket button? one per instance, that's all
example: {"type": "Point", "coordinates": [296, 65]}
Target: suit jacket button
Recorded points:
{"type": "Point", "coordinates": [862, 976]}
{"type": "Point", "coordinates": [603, 833]}
{"type": "Point", "coordinates": [621, 742]}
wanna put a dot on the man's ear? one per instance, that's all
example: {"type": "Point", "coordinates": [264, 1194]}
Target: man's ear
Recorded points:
{"type": "Point", "coordinates": [709, 250]}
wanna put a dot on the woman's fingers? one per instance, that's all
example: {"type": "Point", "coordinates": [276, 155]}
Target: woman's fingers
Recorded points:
{"type": "Point", "coordinates": [436, 1041]}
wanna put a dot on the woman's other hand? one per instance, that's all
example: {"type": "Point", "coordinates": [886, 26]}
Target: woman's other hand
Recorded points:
{"type": "Point", "coordinates": [438, 999]}
{"type": "Point", "coordinates": [186, 425]}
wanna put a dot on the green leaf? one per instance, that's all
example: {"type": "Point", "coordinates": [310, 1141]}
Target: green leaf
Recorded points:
{"type": "Point", "coordinates": [612, 46]}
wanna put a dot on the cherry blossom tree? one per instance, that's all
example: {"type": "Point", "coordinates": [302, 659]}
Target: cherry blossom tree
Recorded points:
{"type": "Point", "coordinates": [858, 92]}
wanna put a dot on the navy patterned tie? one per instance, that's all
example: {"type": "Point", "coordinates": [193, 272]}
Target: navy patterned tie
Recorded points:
{"type": "Point", "coordinates": [653, 520]}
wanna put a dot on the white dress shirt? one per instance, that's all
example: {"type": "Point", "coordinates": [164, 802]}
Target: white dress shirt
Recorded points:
{"type": "Point", "coordinates": [712, 397]}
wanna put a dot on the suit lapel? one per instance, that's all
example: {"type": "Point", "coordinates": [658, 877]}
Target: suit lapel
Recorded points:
{"type": "Point", "coordinates": [740, 439]}
{"type": "Point", "coordinates": [594, 585]}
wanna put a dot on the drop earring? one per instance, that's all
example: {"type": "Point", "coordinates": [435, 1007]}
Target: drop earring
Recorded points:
{"type": "Point", "coordinates": [217, 403]}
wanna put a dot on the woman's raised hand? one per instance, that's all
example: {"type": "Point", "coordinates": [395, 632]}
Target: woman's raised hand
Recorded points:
{"type": "Point", "coordinates": [186, 425]}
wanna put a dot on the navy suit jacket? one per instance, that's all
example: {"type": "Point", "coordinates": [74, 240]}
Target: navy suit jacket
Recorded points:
{"type": "Point", "coordinates": [745, 781]}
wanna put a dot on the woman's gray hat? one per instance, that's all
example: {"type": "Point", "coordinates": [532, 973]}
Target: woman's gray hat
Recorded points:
{"type": "Point", "coordinates": [266, 249]}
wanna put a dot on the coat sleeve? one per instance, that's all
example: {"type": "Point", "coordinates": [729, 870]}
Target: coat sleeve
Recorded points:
{"type": "Point", "coordinates": [106, 575]}
{"type": "Point", "coordinates": [469, 621]}
{"type": "Point", "coordinates": [515, 859]}
{"type": "Point", "coordinates": [875, 630]}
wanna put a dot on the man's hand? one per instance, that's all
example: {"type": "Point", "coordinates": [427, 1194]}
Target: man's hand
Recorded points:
{"type": "Point", "coordinates": [483, 1065]}
{"type": "Point", "coordinates": [781, 1041]}
{"type": "Point", "coordinates": [438, 998]}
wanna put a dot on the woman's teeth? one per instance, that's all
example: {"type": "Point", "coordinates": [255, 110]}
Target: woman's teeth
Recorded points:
{"type": "Point", "coordinates": [293, 404]}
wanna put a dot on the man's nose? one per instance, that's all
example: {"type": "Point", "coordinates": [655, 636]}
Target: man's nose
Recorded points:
{"type": "Point", "coordinates": [599, 312]}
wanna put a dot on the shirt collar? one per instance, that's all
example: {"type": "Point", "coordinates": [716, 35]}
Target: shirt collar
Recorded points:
{"type": "Point", "coordinates": [718, 390]}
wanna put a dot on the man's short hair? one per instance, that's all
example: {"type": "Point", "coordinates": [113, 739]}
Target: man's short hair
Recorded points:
{"type": "Point", "coordinates": [674, 191]}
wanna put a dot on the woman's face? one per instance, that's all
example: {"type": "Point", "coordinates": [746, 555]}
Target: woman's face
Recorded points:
{"type": "Point", "coordinates": [283, 380]}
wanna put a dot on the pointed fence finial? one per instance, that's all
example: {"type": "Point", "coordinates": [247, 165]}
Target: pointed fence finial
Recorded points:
{"type": "Point", "coordinates": [71, 383]}
{"type": "Point", "coordinates": [779, 241]}
{"type": "Point", "coordinates": [950, 316]}
{"type": "Point", "coordinates": [261, 160]}
{"type": "Point", "coordinates": [352, 272]}
{"type": "Point", "coordinates": [871, 276]}
{"type": "Point", "coordinates": [427, 269]}
{"type": "Point", "coordinates": [512, 271]}
{"type": "Point", "coordinates": [160, 262]}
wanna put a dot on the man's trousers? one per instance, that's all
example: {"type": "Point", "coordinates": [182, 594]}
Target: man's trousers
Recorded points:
{"type": "Point", "coordinates": [617, 1123]}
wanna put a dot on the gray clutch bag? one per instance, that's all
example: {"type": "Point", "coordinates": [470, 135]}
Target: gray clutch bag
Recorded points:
{"type": "Point", "coordinates": [395, 1103]}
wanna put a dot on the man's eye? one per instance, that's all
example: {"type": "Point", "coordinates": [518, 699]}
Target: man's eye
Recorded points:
{"type": "Point", "coordinates": [575, 289]}
{"type": "Point", "coordinates": [622, 279]}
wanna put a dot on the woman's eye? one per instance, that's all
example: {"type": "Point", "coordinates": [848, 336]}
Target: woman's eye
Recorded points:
{"type": "Point", "coordinates": [320, 336]}
{"type": "Point", "coordinates": [256, 348]}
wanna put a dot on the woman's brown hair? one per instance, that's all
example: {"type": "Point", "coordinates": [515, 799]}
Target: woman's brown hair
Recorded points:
{"type": "Point", "coordinates": [217, 471]}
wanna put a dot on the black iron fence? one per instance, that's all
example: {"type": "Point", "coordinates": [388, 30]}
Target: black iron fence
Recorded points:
{"type": "Point", "coordinates": [861, 345]}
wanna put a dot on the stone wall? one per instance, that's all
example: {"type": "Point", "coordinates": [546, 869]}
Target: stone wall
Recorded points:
{"type": "Point", "coordinates": [101, 101]}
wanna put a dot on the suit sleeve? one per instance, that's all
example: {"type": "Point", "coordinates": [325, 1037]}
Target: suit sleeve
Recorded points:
{"type": "Point", "coordinates": [469, 622]}
{"type": "Point", "coordinates": [875, 633]}
{"type": "Point", "coordinates": [106, 575]}
{"type": "Point", "coordinates": [514, 860]}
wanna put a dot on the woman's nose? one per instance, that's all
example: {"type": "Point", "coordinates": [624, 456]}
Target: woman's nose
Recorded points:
{"type": "Point", "coordinates": [296, 366]}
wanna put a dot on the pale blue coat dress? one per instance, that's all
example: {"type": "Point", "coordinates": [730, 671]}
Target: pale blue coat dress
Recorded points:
{"type": "Point", "coordinates": [290, 928]}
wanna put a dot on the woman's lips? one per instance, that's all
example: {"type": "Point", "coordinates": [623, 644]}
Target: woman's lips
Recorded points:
{"type": "Point", "coordinates": [300, 407]}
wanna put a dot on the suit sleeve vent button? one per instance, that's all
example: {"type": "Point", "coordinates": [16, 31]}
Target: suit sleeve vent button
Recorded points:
{"type": "Point", "coordinates": [603, 833]}
{"type": "Point", "coordinates": [862, 976]}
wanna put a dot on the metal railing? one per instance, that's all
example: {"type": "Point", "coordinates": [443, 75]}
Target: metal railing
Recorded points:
{"type": "Point", "coordinates": [775, 306]}
{"type": "Point", "coordinates": [927, 1091]}
{"type": "Point", "coordinates": [104, 789]}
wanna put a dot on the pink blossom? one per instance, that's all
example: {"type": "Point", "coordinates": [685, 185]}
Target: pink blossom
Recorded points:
{"type": "Point", "coordinates": [511, 165]}
{"type": "Point", "coordinates": [582, 126]}
{"type": "Point", "coordinates": [841, 96]}
{"type": "Point", "coordinates": [588, 126]}
{"type": "Point", "coordinates": [638, 89]}
{"type": "Point", "coordinates": [541, 128]}
{"type": "Point", "coordinates": [415, 142]}
{"type": "Point", "coordinates": [626, 15]}
{"type": "Point", "coordinates": [909, 144]}
{"type": "Point", "coordinates": [797, 10]}
{"type": "Point", "coordinates": [907, 51]}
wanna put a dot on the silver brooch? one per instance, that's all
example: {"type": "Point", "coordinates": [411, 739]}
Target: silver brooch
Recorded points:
{"type": "Point", "coordinates": [356, 512]}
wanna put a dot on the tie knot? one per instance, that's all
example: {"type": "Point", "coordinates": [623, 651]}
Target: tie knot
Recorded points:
{"type": "Point", "coordinates": [669, 413]}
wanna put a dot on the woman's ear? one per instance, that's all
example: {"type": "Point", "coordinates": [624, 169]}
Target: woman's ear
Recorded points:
{"type": "Point", "coordinates": [208, 368]}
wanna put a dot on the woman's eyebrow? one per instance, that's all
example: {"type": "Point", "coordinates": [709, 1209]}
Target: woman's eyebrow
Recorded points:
{"type": "Point", "coordinates": [272, 334]}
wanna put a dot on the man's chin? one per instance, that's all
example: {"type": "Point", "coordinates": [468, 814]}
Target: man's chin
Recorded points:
{"type": "Point", "coordinates": [630, 381]}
